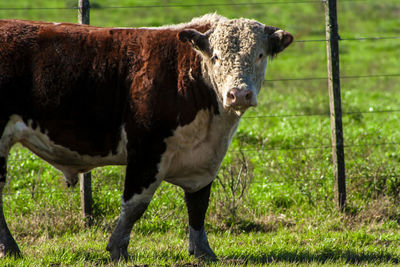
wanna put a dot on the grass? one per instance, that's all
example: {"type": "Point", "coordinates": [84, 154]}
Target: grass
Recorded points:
{"type": "Point", "coordinates": [287, 214]}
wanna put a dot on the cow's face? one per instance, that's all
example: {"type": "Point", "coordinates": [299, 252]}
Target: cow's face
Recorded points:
{"type": "Point", "coordinates": [235, 54]}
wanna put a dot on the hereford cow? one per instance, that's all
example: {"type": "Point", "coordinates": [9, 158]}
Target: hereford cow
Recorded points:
{"type": "Point", "coordinates": [163, 101]}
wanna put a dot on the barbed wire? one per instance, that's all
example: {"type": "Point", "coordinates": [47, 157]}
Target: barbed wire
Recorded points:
{"type": "Point", "coordinates": [74, 192]}
{"type": "Point", "coordinates": [211, 5]}
{"type": "Point", "coordinates": [37, 8]}
{"type": "Point", "coordinates": [311, 147]}
{"type": "Point", "coordinates": [351, 39]}
{"type": "Point", "coordinates": [42, 192]}
{"type": "Point", "coordinates": [370, 38]}
{"type": "Point", "coordinates": [321, 114]}
{"type": "Point", "coordinates": [288, 148]}
{"type": "Point", "coordinates": [392, 75]}
{"type": "Point", "coordinates": [96, 6]}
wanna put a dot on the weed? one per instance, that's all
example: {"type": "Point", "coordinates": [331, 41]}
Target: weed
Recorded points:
{"type": "Point", "coordinates": [233, 181]}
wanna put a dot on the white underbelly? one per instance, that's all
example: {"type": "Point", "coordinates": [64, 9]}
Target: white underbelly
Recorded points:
{"type": "Point", "coordinates": [61, 157]}
{"type": "Point", "coordinates": [191, 160]}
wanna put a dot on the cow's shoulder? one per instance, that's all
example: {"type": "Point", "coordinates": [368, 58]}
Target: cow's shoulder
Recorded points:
{"type": "Point", "coordinates": [167, 78]}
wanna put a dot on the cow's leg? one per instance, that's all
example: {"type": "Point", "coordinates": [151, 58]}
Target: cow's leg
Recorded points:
{"type": "Point", "coordinates": [8, 246]}
{"type": "Point", "coordinates": [137, 196]}
{"type": "Point", "coordinates": [197, 204]}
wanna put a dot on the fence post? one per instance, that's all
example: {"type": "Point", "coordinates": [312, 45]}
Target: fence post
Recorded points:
{"type": "Point", "coordinates": [83, 12]}
{"type": "Point", "coordinates": [86, 195]}
{"type": "Point", "coordinates": [332, 49]}
{"type": "Point", "coordinates": [85, 179]}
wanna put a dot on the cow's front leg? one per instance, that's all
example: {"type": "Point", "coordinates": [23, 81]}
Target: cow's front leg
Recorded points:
{"type": "Point", "coordinates": [137, 196]}
{"type": "Point", "coordinates": [197, 204]}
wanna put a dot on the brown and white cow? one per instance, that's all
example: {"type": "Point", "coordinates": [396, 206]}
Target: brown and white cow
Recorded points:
{"type": "Point", "coordinates": [163, 101]}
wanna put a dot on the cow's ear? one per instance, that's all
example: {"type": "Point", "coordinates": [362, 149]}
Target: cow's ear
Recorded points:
{"type": "Point", "coordinates": [278, 40]}
{"type": "Point", "coordinates": [198, 40]}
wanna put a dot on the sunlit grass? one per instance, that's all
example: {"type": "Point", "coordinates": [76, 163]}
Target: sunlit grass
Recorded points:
{"type": "Point", "coordinates": [287, 215]}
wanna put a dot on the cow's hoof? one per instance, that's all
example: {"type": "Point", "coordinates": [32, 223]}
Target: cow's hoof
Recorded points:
{"type": "Point", "coordinates": [9, 248]}
{"type": "Point", "coordinates": [118, 253]}
{"type": "Point", "coordinates": [205, 253]}
{"type": "Point", "coordinates": [199, 246]}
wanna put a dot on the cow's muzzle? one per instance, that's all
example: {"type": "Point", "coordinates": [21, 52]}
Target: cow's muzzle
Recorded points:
{"type": "Point", "coordinates": [240, 98]}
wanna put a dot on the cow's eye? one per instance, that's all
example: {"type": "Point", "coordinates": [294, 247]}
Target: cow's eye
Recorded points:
{"type": "Point", "coordinates": [260, 56]}
{"type": "Point", "coordinates": [214, 58]}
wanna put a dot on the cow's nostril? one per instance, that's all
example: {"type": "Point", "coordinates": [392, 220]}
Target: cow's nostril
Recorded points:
{"type": "Point", "coordinates": [249, 95]}
{"type": "Point", "coordinates": [231, 95]}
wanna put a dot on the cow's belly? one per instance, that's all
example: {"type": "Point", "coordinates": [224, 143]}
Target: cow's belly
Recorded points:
{"type": "Point", "coordinates": [68, 161]}
{"type": "Point", "coordinates": [194, 153]}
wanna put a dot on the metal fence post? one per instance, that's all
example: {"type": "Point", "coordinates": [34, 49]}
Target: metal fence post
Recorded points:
{"type": "Point", "coordinates": [83, 12]}
{"type": "Point", "coordinates": [85, 179]}
{"type": "Point", "coordinates": [332, 48]}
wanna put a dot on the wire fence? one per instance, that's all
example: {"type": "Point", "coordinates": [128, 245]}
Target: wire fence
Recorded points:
{"type": "Point", "coordinates": [321, 114]}
{"type": "Point", "coordinates": [394, 75]}
{"type": "Point", "coordinates": [273, 80]}
{"type": "Point", "coordinates": [179, 5]}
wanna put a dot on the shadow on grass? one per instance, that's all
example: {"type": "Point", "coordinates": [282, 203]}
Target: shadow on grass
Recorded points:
{"type": "Point", "coordinates": [282, 256]}
{"type": "Point", "coordinates": [327, 255]}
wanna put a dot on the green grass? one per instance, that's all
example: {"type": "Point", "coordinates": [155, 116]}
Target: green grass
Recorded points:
{"type": "Point", "coordinates": [287, 215]}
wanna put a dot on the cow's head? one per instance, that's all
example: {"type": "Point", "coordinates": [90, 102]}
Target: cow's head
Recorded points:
{"type": "Point", "coordinates": [235, 54]}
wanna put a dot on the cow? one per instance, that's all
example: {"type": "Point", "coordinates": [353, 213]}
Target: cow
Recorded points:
{"type": "Point", "coordinates": [163, 101]}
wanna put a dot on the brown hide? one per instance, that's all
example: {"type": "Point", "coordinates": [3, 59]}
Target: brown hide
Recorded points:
{"type": "Point", "coordinates": [82, 83]}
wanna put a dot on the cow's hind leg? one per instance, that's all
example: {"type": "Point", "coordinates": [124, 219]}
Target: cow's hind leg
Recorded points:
{"type": "Point", "coordinates": [8, 246]}
{"type": "Point", "coordinates": [133, 207]}
{"type": "Point", "coordinates": [197, 204]}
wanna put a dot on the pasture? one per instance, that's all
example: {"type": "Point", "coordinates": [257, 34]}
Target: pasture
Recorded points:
{"type": "Point", "coordinates": [273, 201]}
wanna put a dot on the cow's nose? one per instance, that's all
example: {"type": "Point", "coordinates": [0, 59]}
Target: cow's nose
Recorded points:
{"type": "Point", "coordinates": [240, 98]}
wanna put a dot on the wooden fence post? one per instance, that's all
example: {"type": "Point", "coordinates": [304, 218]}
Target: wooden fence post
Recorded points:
{"type": "Point", "coordinates": [85, 179]}
{"type": "Point", "coordinates": [332, 48]}
{"type": "Point", "coordinates": [86, 195]}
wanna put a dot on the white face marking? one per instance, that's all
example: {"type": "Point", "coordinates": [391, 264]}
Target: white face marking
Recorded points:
{"type": "Point", "coordinates": [195, 151]}
{"type": "Point", "coordinates": [68, 161]}
{"type": "Point", "coordinates": [236, 60]}
{"type": "Point", "coordinates": [238, 45]}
